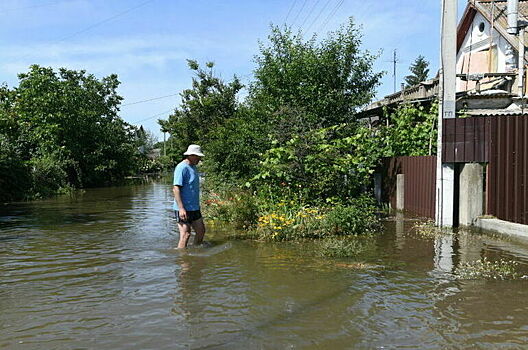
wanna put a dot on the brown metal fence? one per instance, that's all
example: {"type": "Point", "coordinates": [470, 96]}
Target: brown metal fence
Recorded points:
{"type": "Point", "coordinates": [466, 140]}
{"type": "Point", "coordinates": [508, 169]}
{"type": "Point", "coordinates": [419, 183]}
{"type": "Point", "coordinates": [502, 142]}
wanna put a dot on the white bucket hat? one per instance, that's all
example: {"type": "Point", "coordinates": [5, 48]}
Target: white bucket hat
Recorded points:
{"type": "Point", "coordinates": [194, 150]}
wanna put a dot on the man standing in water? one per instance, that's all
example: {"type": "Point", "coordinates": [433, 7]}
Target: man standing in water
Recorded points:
{"type": "Point", "coordinates": [187, 197]}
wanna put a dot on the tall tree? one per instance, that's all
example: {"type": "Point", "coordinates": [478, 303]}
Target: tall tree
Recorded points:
{"type": "Point", "coordinates": [206, 105]}
{"type": "Point", "coordinates": [63, 126]}
{"type": "Point", "coordinates": [419, 71]}
{"type": "Point", "coordinates": [313, 83]}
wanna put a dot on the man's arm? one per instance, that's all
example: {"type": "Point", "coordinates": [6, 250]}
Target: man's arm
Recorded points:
{"type": "Point", "coordinates": [182, 213]}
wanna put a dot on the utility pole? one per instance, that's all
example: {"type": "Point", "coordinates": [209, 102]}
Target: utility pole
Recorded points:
{"type": "Point", "coordinates": [445, 172]}
{"type": "Point", "coordinates": [394, 61]}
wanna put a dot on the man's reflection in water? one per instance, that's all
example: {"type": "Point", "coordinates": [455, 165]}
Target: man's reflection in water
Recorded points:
{"type": "Point", "coordinates": [188, 289]}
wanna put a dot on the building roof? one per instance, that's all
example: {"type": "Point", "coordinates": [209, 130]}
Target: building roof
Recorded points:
{"type": "Point", "coordinates": [495, 11]}
{"type": "Point", "coordinates": [495, 112]}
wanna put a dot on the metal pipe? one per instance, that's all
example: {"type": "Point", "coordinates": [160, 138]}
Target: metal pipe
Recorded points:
{"type": "Point", "coordinates": [513, 15]}
{"type": "Point", "coordinates": [520, 83]}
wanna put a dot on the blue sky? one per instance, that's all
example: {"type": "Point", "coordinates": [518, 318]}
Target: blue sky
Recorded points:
{"type": "Point", "coordinates": [147, 42]}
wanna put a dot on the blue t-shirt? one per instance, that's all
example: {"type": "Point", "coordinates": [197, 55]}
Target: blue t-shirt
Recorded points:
{"type": "Point", "coordinates": [186, 176]}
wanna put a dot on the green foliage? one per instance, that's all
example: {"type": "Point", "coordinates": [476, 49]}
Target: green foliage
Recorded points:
{"type": "Point", "coordinates": [324, 164]}
{"type": "Point", "coordinates": [419, 71]}
{"type": "Point", "coordinates": [14, 174]}
{"type": "Point", "coordinates": [356, 218]}
{"type": "Point", "coordinates": [412, 131]}
{"type": "Point", "coordinates": [304, 85]}
{"type": "Point", "coordinates": [269, 218]}
{"type": "Point", "coordinates": [234, 147]}
{"type": "Point", "coordinates": [62, 129]}
{"type": "Point", "coordinates": [210, 115]}
{"type": "Point", "coordinates": [204, 107]}
{"type": "Point", "coordinates": [48, 175]}
{"type": "Point", "coordinates": [235, 206]}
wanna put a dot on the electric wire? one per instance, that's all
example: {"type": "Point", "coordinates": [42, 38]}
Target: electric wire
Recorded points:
{"type": "Point", "coordinates": [84, 30]}
{"type": "Point", "coordinates": [331, 14]}
{"type": "Point", "coordinates": [310, 13]}
{"type": "Point", "coordinates": [298, 13]}
{"type": "Point", "coordinates": [30, 7]}
{"type": "Point", "coordinates": [153, 116]}
{"type": "Point", "coordinates": [290, 10]}
{"type": "Point", "coordinates": [148, 100]}
{"type": "Point", "coordinates": [318, 15]}
{"type": "Point", "coordinates": [106, 20]}
{"type": "Point", "coordinates": [176, 94]}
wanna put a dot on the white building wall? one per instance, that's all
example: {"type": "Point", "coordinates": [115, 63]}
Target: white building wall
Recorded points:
{"type": "Point", "coordinates": [476, 43]}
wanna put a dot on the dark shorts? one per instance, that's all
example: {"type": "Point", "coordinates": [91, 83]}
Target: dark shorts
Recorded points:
{"type": "Point", "coordinates": [192, 216]}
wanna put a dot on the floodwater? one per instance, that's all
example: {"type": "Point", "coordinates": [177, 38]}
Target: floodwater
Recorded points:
{"type": "Point", "coordinates": [97, 271]}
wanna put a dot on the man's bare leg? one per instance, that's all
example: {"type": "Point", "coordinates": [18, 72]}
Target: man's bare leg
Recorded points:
{"type": "Point", "coordinates": [185, 233]}
{"type": "Point", "coordinates": [199, 229]}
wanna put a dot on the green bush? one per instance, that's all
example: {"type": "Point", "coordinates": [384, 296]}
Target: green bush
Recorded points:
{"type": "Point", "coordinates": [48, 176]}
{"type": "Point", "coordinates": [359, 217]}
{"type": "Point", "coordinates": [234, 206]}
{"type": "Point", "coordinates": [331, 163]}
{"type": "Point", "coordinates": [14, 174]}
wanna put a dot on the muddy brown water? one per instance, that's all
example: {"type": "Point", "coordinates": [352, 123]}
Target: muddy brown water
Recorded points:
{"type": "Point", "coordinates": [97, 271]}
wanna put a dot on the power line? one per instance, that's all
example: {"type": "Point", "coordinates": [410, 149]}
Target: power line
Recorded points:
{"type": "Point", "coordinates": [153, 116]}
{"type": "Point", "coordinates": [309, 13]}
{"type": "Point", "coordinates": [291, 8]}
{"type": "Point", "coordinates": [176, 94]}
{"type": "Point", "coordinates": [30, 7]}
{"type": "Point", "coordinates": [298, 13]}
{"type": "Point", "coordinates": [106, 20]}
{"type": "Point", "coordinates": [332, 14]}
{"type": "Point", "coordinates": [148, 100]}
{"type": "Point", "coordinates": [317, 17]}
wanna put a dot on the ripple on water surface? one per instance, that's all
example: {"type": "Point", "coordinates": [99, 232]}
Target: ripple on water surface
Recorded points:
{"type": "Point", "coordinates": [98, 271]}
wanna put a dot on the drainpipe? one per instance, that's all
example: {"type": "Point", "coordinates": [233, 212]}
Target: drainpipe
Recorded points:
{"type": "Point", "coordinates": [513, 15]}
{"type": "Point", "coordinates": [516, 27]}
{"type": "Point", "coordinates": [520, 83]}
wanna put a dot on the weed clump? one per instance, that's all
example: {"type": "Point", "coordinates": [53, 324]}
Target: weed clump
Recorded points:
{"type": "Point", "coordinates": [345, 247]}
{"type": "Point", "coordinates": [428, 229]}
{"type": "Point", "coordinates": [489, 270]}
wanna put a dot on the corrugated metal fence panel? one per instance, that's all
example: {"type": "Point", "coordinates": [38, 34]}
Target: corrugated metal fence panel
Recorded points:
{"type": "Point", "coordinates": [466, 140]}
{"type": "Point", "coordinates": [420, 183]}
{"type": "Point", "coordinates": [508, 169]}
